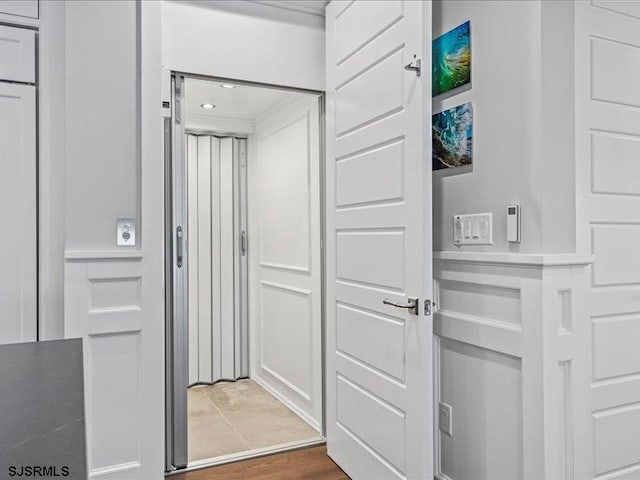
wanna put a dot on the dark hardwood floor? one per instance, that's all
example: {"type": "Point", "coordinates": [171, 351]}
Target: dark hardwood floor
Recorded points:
{"type": "Point", "coordinates": [306, 464]}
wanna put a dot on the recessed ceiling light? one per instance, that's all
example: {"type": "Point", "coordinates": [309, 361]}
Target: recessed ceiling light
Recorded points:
{"type": "Point", "coordinates": [226, 85]}
{"type": "Point", "coordinates": [207, 106]}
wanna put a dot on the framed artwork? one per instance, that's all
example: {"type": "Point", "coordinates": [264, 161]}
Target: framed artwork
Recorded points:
{"type": "Point", "coordinates": [452, 135]}
{"type": "Point", "coordinates": [451, 60]}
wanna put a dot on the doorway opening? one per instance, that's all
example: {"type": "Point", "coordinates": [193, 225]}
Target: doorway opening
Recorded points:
{"type": "Point", "coordinates": [245, 271]}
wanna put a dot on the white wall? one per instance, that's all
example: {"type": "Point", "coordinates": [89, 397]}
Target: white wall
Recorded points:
{"type": "Point", "coordinates": [522, 148]}
{"type": "Point", "coordinates": [508, 364]}
{"type": "Point", "coordinates": [51, 160]}
{"type": "Point", "coordinates": [492, 444]}
{"type": "Point", "coordinates": [102, 123]}
{"type": "Point", "coordinates": [244, 41]}
{"type": "Point", "coordinates": [114, 295]}
{"type": "Point", "coordinates": [285, 324]}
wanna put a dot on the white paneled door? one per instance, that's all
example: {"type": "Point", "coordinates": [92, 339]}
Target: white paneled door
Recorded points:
{"type": "Point", "coordinates": [378, 234]}
{"type": "Point", "coordinates": [18, 276]}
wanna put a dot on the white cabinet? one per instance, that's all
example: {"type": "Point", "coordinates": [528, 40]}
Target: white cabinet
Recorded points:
{"type": "Point", "coordinates": [21, 8]}
{"type": "Point", "coordinates": [18, 267]}
{"type": "Point", "coordinates": [17, 54]}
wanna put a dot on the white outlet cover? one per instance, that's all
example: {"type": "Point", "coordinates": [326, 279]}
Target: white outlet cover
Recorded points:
{"type": "Point", "coordinates": [445, 420]}
{"type": "Point", "coordinates": [126, 232]}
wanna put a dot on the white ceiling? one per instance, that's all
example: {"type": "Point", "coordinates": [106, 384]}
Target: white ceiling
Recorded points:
{"type": "Point", "coordinates": [240, 103]}
{"type": "Point", "coordinates": [314, 7]}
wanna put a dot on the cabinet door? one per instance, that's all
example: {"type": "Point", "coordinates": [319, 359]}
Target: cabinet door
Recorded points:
{"type": "Point", "coordinates": [17, 54]}
{"type": "Point", "coordinates": [18, 268]}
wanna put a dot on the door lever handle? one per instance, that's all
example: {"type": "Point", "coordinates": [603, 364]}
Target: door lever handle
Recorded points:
{"type": "Point", "coordinates": [411, 305]}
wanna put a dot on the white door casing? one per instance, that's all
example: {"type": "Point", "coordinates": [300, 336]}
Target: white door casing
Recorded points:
{"type": "Point", "coordinates": [285, 276]}
{"type": "Point", "coordinates": [378, 234]}
{"type": "Point", "coordinates": [18, 275]}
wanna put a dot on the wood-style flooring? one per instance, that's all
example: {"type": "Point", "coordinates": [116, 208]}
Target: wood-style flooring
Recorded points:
{"type": "Point", "coordinates": [306, 464]}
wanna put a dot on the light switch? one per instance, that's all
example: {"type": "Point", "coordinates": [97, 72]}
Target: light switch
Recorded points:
{"type": "Point", "coordinates": [126, 232]}
{"type": "Point", "coordinates": [473, 229]}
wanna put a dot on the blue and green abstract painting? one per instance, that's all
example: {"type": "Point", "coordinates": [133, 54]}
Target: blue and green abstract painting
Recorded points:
{"type": "Point", "coordinates": [452, 137]}
{"type": "Point", "coordinates": [451, 60]}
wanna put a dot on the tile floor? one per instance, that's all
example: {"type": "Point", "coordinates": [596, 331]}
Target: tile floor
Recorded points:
{"type": "Point", "coordinates": [233, 417]}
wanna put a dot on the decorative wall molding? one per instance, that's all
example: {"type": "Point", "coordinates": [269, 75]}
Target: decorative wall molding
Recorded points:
{"type": "Point", "coordinates": [103, 306]}
{"type": "Point", "coordinates": [522, 320]}
{"type": "Point", "coordinates": [515, 259]}
{"type": "Point", "coordinates": [97, 255]}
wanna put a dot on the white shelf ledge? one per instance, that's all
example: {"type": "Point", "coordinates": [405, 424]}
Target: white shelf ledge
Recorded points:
{"type": "Point", "coordinates": [91, 255]}
{"type": "Point", "coordinates": [521, 259]}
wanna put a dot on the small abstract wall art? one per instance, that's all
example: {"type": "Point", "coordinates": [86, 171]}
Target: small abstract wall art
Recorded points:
{"type": "Point", "coordinates": [451, 60]}
{"type": "Point", "coordinates": [452, 137]}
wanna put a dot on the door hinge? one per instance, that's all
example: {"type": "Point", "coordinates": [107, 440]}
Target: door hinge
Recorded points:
{"type": "Point", "coordinates": [178, 94]}
{"type": "Point", "coordinates": [415, 68]}
{"type": "Point", "coordinates": [428, 306]}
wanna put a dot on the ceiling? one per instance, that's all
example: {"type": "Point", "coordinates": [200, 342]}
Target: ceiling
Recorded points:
{"type": "Point", "coordinates": [314, 7]}
{"type": "Point", "coordinates": [240, 103]}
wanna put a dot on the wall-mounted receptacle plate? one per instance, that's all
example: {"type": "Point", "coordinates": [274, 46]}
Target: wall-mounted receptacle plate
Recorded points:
{"type": "Point", "coordinates": [473, 229]}
{"type": "Point", "coordinates": [445, 420]}
{"type": "Point", "coordinates": [126, 232]}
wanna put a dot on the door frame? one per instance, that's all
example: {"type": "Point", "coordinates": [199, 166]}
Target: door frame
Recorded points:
{"type": "Point", "coordinates": [173, 337]}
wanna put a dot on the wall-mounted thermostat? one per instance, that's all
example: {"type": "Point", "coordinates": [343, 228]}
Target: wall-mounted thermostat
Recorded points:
{"type": "Point", "coordinates": [513, 223]}
{"type": "Point", "coordinates": [126, 232]}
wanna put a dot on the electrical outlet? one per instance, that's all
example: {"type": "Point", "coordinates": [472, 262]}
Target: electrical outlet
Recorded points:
{"type": "Point", "coordinates": [444, 418]}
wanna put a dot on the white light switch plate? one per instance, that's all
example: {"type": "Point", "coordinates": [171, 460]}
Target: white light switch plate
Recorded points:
{"type": "Point", "coordinates": [126, 232]}
{"type": "Point", "coordinates": [473, 229]}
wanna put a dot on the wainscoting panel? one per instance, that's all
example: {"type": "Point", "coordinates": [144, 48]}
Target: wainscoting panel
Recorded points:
{"type": "Point", "coordinates": [286, 336]}
{"type": "Point", "coordinates": [494, 381]}
{"type": "Point", "coordinates": [103, 306]}
{"type": "Point", "coordinates": [284, 256]}
{"type": "Point", "coordinates": [511, 360]}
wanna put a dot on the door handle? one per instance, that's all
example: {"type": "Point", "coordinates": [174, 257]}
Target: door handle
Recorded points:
{"type": "Point", "coordinates": [179, 246]}
{"type": "Point", "coordinates": [411, 305]}
{"type": "Point", "coordinates": [243, 243]}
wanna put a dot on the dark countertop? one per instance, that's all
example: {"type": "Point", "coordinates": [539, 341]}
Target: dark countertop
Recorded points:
{"type": "Point", "coordinates": [42, 410]}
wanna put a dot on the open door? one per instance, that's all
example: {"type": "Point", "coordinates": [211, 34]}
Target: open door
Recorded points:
{"type": "Point", "coordinates": [378, 223]}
